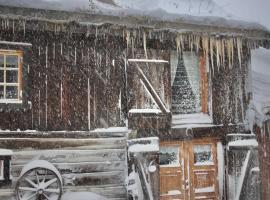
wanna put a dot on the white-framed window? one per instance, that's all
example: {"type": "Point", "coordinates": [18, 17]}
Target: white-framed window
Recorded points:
{"type": "Point", "coordinates": [10, 76]}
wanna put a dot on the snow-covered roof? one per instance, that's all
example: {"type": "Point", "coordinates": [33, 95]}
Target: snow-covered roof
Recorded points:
{"type": "Point", "coordinates": [260, 105]}
{"type": "Point", "coordinates": [260, 62]}
{"type": "Point", "coordinates": [164, 14]}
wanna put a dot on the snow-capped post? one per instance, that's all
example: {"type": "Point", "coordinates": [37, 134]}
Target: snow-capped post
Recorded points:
{"type": "Point", "coordinates": [143, 179]}
{"type": "Point", "coordinates": [5, 158]}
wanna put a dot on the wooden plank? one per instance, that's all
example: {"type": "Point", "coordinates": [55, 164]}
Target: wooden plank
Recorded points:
{"type": "Point", "coordinates": [69, 156]}
{"type": "Point", "coordinates": [151, 90]}
{"type": "Point", "coordinates": [80, 167]}
{"type": "Point", "coordinates": [62, 143]}
{"type": "Point", "coordinates": [86, 179]}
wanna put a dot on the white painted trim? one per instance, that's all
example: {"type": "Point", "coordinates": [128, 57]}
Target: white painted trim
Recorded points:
{"type": "Point", "coordinates": [8, 101]}
{"type": "Point", "coordinates": [16, 43]}
{"type": "Point", "coordinates": [242, 176]}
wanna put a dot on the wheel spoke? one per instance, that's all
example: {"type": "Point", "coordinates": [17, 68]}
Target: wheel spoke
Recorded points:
{"type": "Point", "coordinates": [29, 197]}
{"type": "Point", "coordinates": [45, 174]}
{"type": "Point", "coordinates": [28, 189]}
{"type": "Point", "coordinates": [48, 183]}
{"type": "Point", "coordinates": [31, 182]}
{"type": "Point", "coordinates": [37, 177]}
{"type": "Point", "coordinates": [48, 198]}
{"type": "Point", "coordinates": [57, 191]}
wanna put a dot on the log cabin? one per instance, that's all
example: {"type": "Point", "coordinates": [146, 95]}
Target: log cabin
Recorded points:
{"type": "Point", "coordinates": [75, 86]}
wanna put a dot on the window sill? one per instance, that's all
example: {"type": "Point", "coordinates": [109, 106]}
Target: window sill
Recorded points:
{"type": "Point", "coordinates": [191, 120]}
{"type": "Point", "coordinates": [10, 101]}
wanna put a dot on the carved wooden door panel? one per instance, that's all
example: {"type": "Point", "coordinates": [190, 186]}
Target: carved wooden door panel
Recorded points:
{"type": "Point", "coordinates": [171, 171]}
{"type": "Point", "coordinates": [188, 170]}
{"type": "Point", "coordinates": [203, 170]}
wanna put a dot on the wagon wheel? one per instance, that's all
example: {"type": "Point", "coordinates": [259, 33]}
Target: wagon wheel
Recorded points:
{"type": "Point", "coordinates": [39, 180]}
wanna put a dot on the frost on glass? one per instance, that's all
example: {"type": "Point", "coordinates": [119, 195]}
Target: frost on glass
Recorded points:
{"type": "Point", "coordinates": [169, 156]}
{"type": "Point", "coordinates": [12, 92]}
{"type": "Point", "coordinates": [12, 61]}
{"type": "Point", "coordinates": [203, 155]}
{"type": "Point", "coordinates": [185, 74]}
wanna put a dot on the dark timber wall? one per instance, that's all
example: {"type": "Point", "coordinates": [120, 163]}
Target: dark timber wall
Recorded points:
{"type": "Point", "coordinates": [75, 79]}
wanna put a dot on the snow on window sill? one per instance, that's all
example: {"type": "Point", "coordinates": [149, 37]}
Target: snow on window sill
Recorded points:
{"type": "Point", "coordinates": [171, 165]}
{"type": "Point", "coordinates": [10, 101]}
{"type": "Point", "coordinates": [148, 111]}
{"type": "Point", "coordinates": [192, 120]}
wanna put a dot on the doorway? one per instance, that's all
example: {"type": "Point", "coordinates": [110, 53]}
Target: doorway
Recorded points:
{"type": "Point", "coordinates": [188, 170]}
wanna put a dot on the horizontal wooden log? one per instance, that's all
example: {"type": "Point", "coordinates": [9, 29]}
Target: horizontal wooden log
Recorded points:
{"type": "Point", "coordinates": [68, 156]}
{"type": "Point", "coordinates": [85, 179]}
{"type": "Point", "coordinates": [85, 167]}
{"type": "Point", "coordinates": [62, 143]}
{"type": "Point", "coordinates": [121, 132]}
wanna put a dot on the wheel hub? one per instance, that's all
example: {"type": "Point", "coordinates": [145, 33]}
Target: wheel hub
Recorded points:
{"type": "Point", "coordinates": [40, 191]}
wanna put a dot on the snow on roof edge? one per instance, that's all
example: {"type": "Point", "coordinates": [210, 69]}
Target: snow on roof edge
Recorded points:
{"type": "Point", "coordinates": [84, 17]}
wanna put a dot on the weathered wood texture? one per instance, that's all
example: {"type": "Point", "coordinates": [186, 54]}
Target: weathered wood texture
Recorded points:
{"type": "Point", "coordinates": [95, 164]}
{"type": "Point", "coordinates": [73, 81]}
{"type": "Point", "coordinates": [263, 137]}
{"type": "Point", "coordinates": [242, 178]}
{"type": "Point", "coordinates": [231, 90]}
{"type": "Point", "coordinates": [80, 81]}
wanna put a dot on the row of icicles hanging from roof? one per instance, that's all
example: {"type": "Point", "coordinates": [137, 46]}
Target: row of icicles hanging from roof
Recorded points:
{"type": "Point", "coordinates": [218, 49]}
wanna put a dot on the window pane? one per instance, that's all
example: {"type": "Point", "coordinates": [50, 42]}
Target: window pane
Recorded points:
{"type": "Point", "coordinates": [1, 76]}
{"type": "Point", "coordinates": [12, 76]}
{"type": "Point", "coordinates": [203, 155]}
{"type": "Point", "coordinates": [1, 92]}
{"type": "Point", "coordinates": [12, 92]}
{"type": "Point", "coordinates": [185, 74]}
{"type": "Point", "coordinates": [12, 61]}
{"type": "Point", "coordinates": [1, 60]}
{"type": "Point", "coordinates": [169, 156]}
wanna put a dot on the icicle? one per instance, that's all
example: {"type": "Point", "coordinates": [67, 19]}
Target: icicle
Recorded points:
{"type": "Point", "coordinates": [230, 52]}
{"type": "Point", "coordinates": [24, 24]}
{"type": "Point", "coordinates": [218, 52]}
{"type": "Point", "coordinates": [239, 50]}
{"type": "Point", "coordinates": [13, 26]}
{"type": "Point", "coordinates": [197, 42]}
{"type": "Point", "coordinates": [205, 46]}
{"type": "Point", "coordinates": [212, 53]}
{"type": "Point", "coordinates": [46, 57]}
{"type": "Point", "coordinates": [127, 38]}
{"type": "Point", "coordinates": [144, 45]}
{"type": "Point", "coordinates": [178, 44]}
{"type": "Point", "coordinates": [223, 52]}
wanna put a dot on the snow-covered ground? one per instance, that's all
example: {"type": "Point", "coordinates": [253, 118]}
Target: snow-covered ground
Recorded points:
{"type": "Point", "coordinates": [82, 196]}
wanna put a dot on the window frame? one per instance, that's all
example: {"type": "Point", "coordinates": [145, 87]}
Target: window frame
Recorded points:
{"type": "Point", "coordinates": [18, 84]}
{"type": "Point", "coordinates": [182, 120]}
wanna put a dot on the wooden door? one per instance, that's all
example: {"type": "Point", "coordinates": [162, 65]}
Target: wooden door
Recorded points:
{"type": "Point", "coordinates": [188, 170]}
